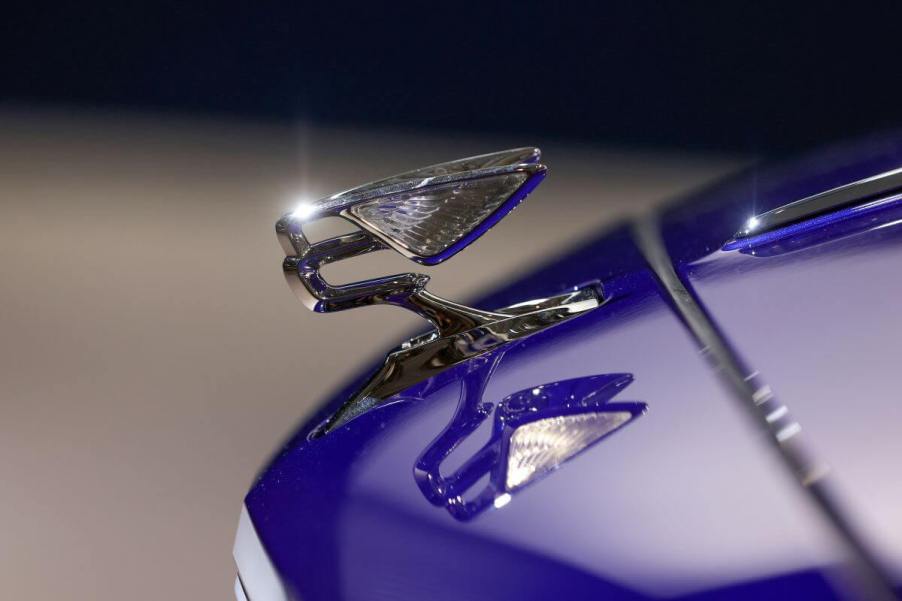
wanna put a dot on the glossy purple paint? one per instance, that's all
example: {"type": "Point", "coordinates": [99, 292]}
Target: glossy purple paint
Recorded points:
{"type": "Point", "coordinates": [818, 313]}
{"type": "Point", "coordinates": [702, 223]}
{"type": "Point", "coordinates": [686, 502]}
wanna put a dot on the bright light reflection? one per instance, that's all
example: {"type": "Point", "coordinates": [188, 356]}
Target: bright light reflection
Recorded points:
{"type": "Point", "coordinates": [303, 210]}
{"type": "Point", "coordinates": [890, 224]}
{"type": "Point", "coordinates": [502, 500]}
{"type": "Point", "coordinates": [752, 224]}
{"type": "Point", "coordinates": [776, 414]}
{"type": "Point", "coordinates": [788, 432]}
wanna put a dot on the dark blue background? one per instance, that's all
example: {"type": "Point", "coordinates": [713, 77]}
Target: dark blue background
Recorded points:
{"type": "Point", "coordinates": [749, 77]}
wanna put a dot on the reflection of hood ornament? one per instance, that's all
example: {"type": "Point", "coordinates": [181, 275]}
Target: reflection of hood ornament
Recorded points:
{"type": "Point", "coordinates": [428, 215]}
{"type": "Point", "coordinates": [534, 432]}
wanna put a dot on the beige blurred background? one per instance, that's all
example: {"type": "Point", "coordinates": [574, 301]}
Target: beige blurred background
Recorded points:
{"type": "Point", "coordinates": [152, 355]}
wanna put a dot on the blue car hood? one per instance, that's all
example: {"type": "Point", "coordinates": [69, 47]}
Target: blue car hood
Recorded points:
{"type": "Point", "coordinates": [683, 500]}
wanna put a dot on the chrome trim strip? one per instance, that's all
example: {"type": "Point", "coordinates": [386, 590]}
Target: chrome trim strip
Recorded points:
{"type": "Point", "coordinates": [812, 206]}
{"type": "Point", "coordinates": [774, 418]}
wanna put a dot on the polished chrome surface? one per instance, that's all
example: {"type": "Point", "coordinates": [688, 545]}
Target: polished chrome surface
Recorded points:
{"type": "Point", "coordinates": [420, 214]}
{"type": "Point", "coordinates": [427, 215]}
{"type": "Point", "coordinates": [812, 206]}
{"type": "Point", "coordinates": [428, 355]}
{"type": "Point", "coordinates": [470, 168]}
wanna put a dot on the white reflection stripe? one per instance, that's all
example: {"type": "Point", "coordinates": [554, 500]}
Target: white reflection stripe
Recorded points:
{"type": "Point", "coordinates": [788, 432]}
{"type": "Point", "coordinates": [261, 582]}
{"type": "Point", "coordinates": [776, 414]}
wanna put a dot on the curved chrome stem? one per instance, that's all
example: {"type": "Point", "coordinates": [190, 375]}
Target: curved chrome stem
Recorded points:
{"type": "Point", "coordinates": [423, 357]}
{"type": "Point", "coordinates": [448, 317]}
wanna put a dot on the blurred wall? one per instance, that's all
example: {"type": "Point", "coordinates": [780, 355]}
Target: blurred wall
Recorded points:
{"type": "Point", "coordinates": [152, 354]}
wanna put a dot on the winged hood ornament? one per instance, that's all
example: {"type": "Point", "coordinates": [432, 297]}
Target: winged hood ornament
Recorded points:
{"type": "Point", "coordinates": [427, 215]}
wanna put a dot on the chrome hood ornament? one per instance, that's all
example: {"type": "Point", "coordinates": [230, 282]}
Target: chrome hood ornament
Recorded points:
{"type": "Point", "coordinates": [428, 215]}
